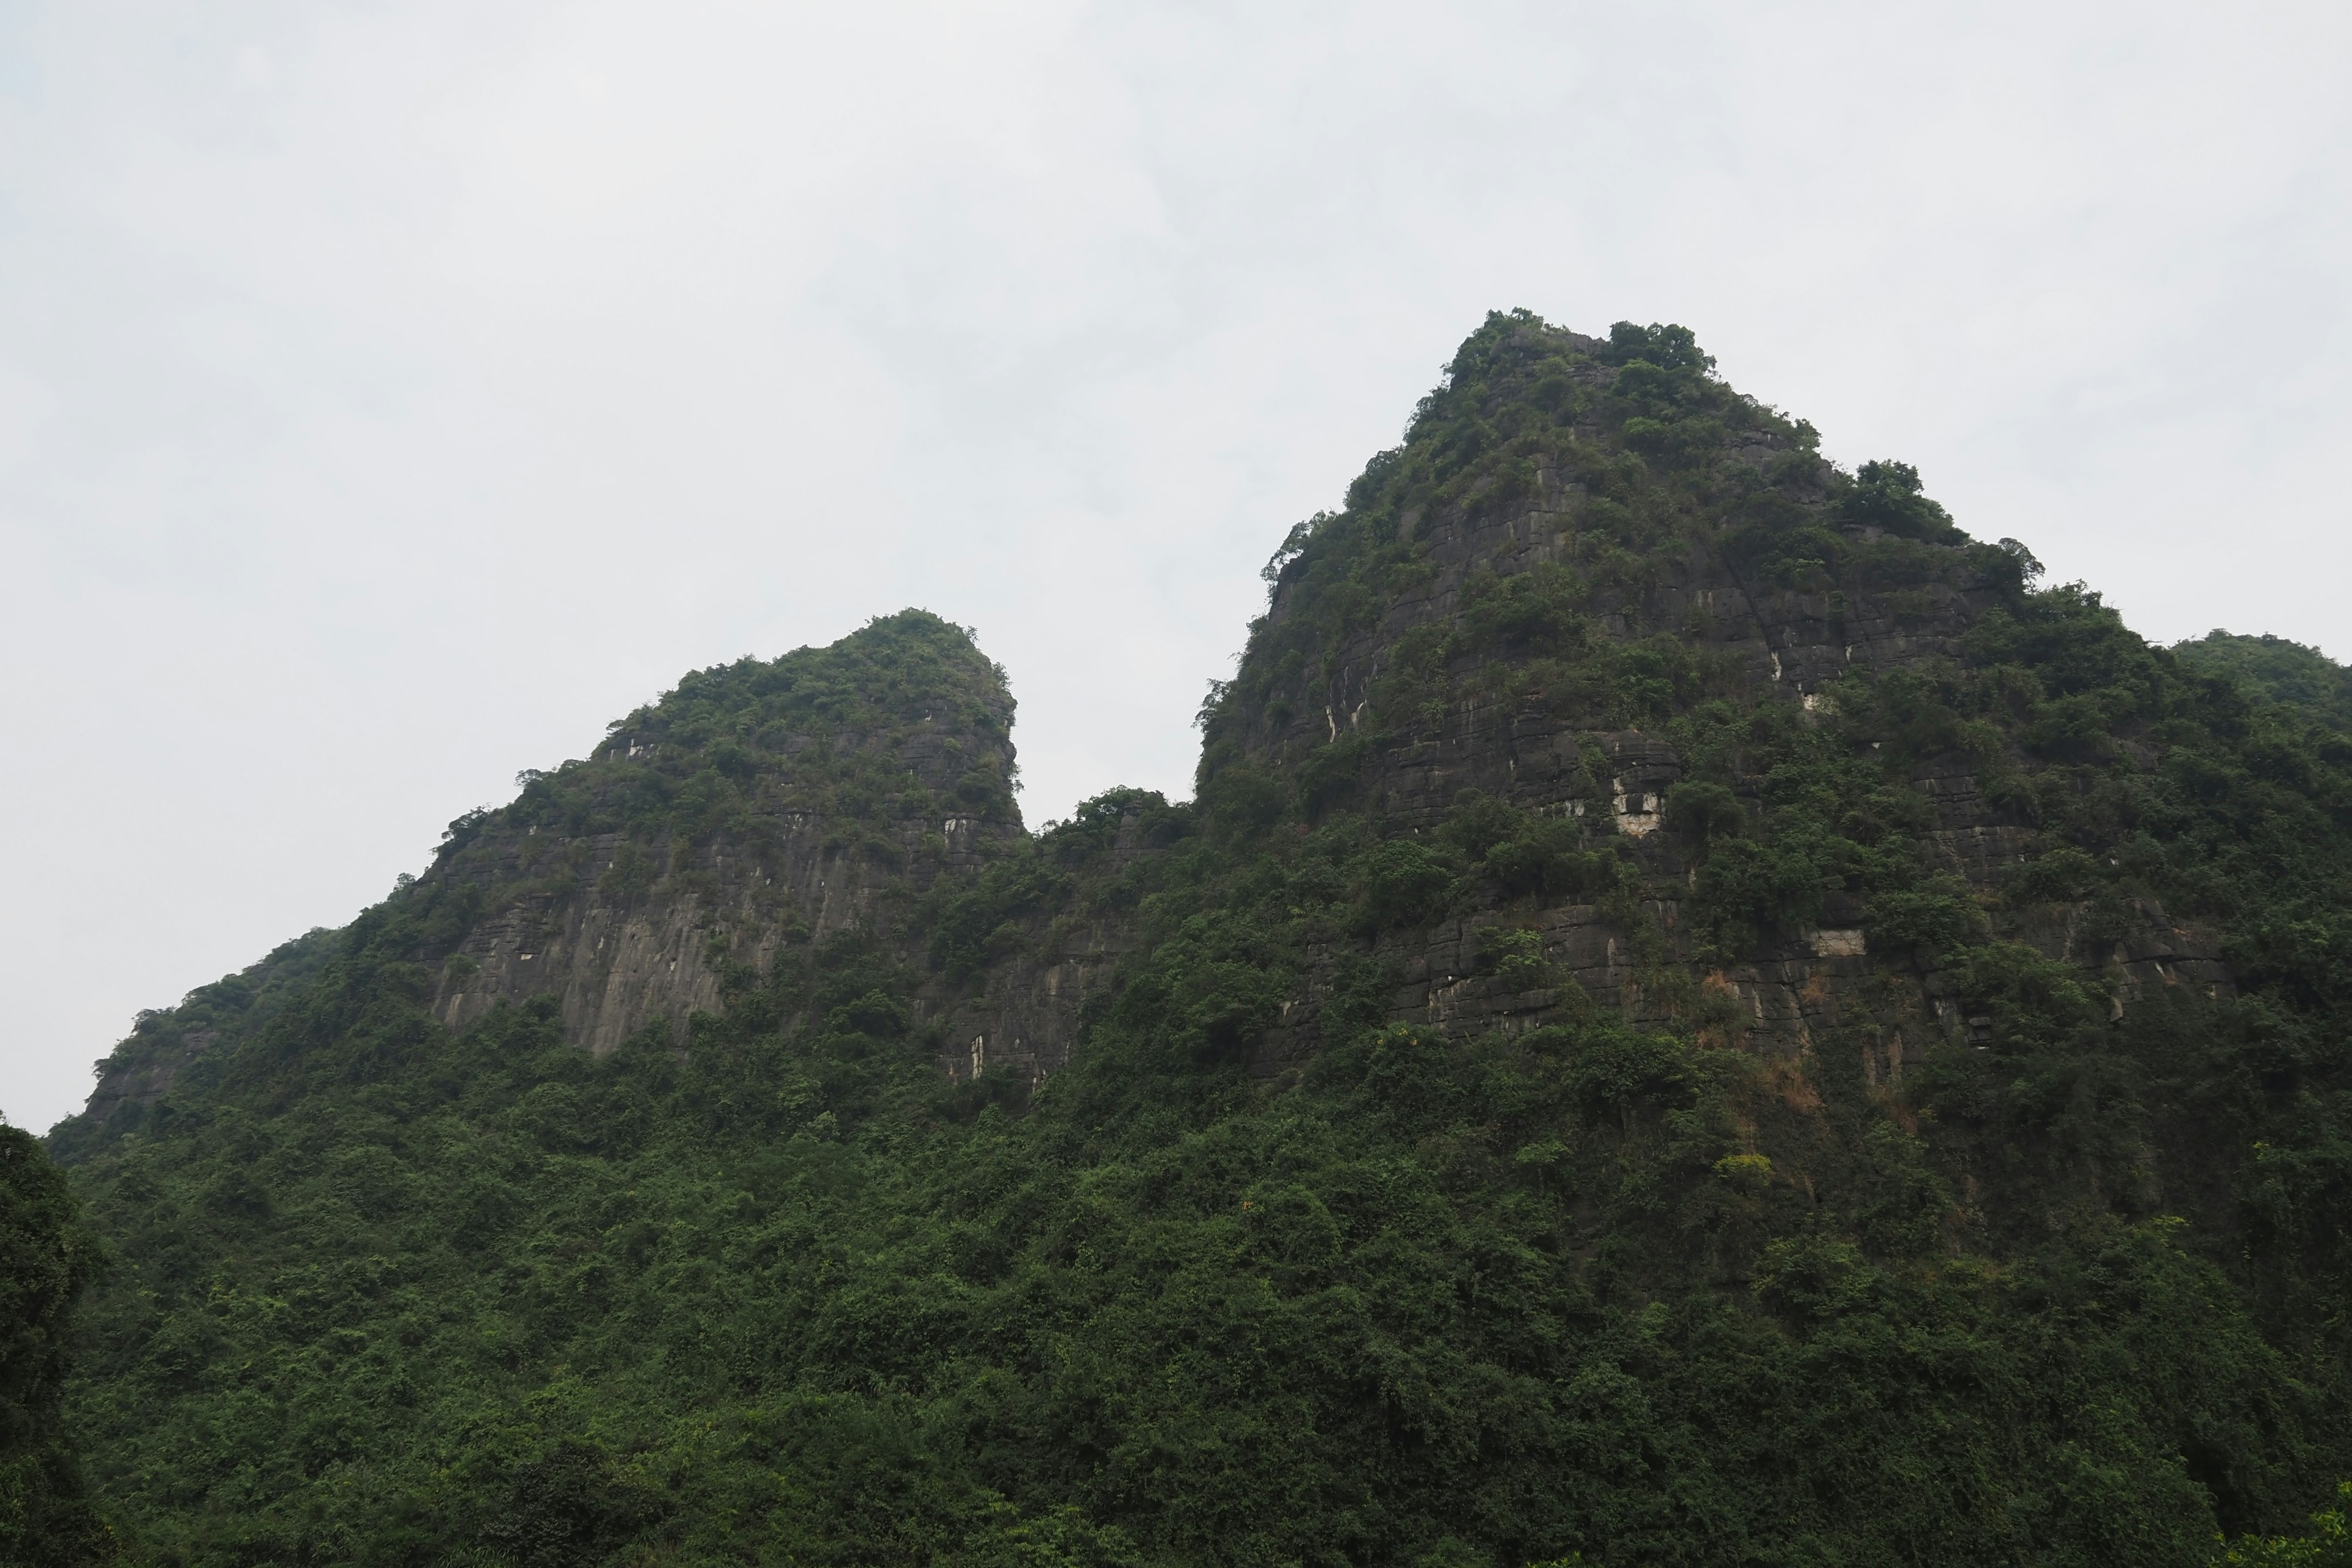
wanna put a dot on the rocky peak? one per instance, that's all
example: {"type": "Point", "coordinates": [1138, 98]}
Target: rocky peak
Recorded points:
{"type": "Point", "coordinates": [1592, 532]}
{"type": "Point", "coordinates": [759, 806]}
{"type": "Point", "coordinates": [1588, 557]}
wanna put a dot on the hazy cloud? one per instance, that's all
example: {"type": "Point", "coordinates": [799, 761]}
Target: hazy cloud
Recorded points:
{"type": "Point", "coordinates": [391, 394]}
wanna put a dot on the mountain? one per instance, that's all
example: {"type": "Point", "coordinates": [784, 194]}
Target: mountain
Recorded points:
{"type": "Point", "coordinates": [1697, 1015]}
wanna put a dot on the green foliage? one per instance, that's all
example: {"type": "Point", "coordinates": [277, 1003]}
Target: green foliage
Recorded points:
{"type": "Point", "coordinates": [1535, 610]}
{"type": "Point", "coordinates": [1933, 917]}
{"type": "Point", "coordinates": [47, 1258]}
{"type": "Point", "coordinates": [2275, 670]}
{"type": "Point", "coordinates": [1243, 800]}
{"type": "Point", "coordinates": [1404, 885]}
{"type": "Point", "coordinates": [1705, 813]}
{"type": "Point", "coordinates": [1887, 495]}
{"type": "Point", "coordinates": [1531, 854]}
{"type": "Point", "coordinates": [979, 923]}
{"type": "Point", "coordinates": [1628, 1288]}
{"type": "Point", "coordinates": [2329, 1544]}
{"type": "Point", "coordinates": [702, 760]}
{"type": "Point", "coordinates": [488, 1294]}
{"type": "Point", "coordinates": [1673, 350]}
{"type": "Point", "coordinates": [1515, 400]}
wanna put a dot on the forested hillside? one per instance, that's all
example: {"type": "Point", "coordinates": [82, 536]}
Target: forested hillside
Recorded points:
{"type": "Point", "coordinates": [46, 1257]}
{"type": "Point", "coordinates": [1699, 1014]}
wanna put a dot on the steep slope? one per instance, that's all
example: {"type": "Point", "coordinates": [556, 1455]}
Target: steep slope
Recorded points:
{"type": "Point", "coordinates": [1595, 584]}
{"type": "Point", "coordinates": [759, 807]}
{"type": "Point", "coordinates": [1698, 1016]}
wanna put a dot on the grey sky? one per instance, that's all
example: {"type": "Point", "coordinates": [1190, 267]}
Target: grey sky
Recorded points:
{"type": "Point", "coordinates": [392, 394]}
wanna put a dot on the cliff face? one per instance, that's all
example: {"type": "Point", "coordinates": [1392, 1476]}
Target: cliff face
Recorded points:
{"type": "Point", "coordinates": [758, 809]}
{"type": "Point", "coordinates": [629, 928]}
{"type": "Point", "coordinates": [869, 827]}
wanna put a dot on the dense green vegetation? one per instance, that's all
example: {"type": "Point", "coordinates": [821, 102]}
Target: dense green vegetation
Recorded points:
{"type": "Point", "coordinates": [819, 731]}
{"type": "Point", "coordinates": [2277, 670]}
{"type": "Point", "coordinates": [2073, 1291]}
{"type": "Point", "coordinates": [46, 1257]}
{"type": "Point", "coordinates": [710, 747]}
{"type": "Point", "coordinates": [1640, 428]}
{"type": "Point", "coordinates": [2328, 1544]}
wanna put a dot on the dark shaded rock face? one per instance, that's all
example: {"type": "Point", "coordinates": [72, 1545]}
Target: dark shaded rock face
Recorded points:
{"type": "Point", "coordinates": [628, 929]}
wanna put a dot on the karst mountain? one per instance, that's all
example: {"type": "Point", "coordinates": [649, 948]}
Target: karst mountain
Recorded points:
{"type": "Point", "coordinates": [1700, 1013]}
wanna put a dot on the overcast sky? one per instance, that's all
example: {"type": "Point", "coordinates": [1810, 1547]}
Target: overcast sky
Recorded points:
{"type": "Point", "coordinates": [391, 394]}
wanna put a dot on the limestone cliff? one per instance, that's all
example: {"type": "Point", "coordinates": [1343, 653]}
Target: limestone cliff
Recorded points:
{"type": "Point", "coordinates": [760, 806]}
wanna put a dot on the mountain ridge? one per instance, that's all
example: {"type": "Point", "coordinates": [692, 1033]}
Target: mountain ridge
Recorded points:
{"type": "Point", "coordinates": [1695, 1014]}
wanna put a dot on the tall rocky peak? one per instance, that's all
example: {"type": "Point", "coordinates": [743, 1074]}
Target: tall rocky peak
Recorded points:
{"type": "Point", "coordinates": [1590, 534]}
{"type": "Point", "coordinates": [1562, 634]}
